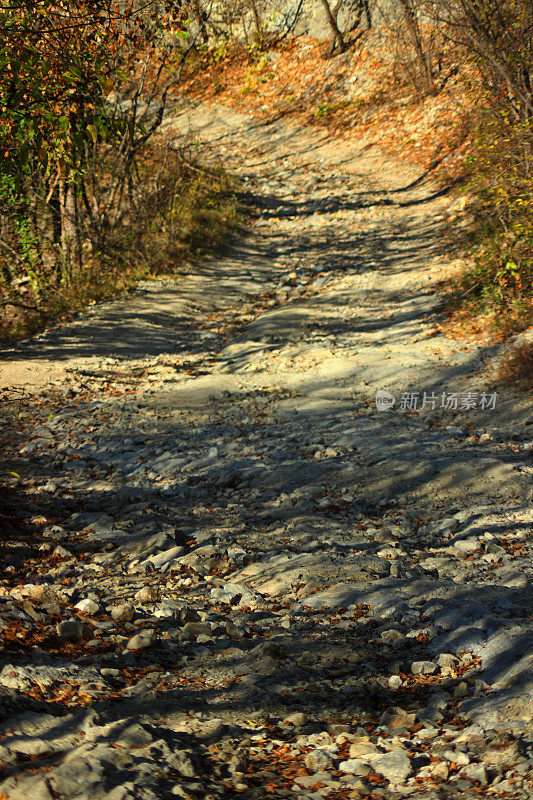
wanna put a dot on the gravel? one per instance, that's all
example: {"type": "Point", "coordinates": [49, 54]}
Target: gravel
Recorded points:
{"type": "Point", "coordinates": [236, 574]}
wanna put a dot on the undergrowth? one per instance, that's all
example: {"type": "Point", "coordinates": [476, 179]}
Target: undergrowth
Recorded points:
{"type": "Point", "coordinates": [497, 286]}
{"type": "Point", "coordinates": [181, 210]}
{"type": "Point", "coordinates": [517, 367]}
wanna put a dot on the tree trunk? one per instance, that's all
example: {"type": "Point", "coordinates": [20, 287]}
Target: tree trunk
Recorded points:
{"type": "Point", "coordinates": [363, 8]}
{"type": "Point", "coordinates": [414, 32]}
{"type": "Point", "coordinates": [338, 38]}
{"type": "Point", "coordinates": [257, 21]}
{"type": "Point", "coordinates": [54, 205]}
{"type": "Point", "coordinates": [201, 21]}
{"type": "Point", "coordinates": [68, 223]}
{"type": "Point", "coordinates": [4, 262]}
{"type": "Point", "coordinates": [368, 13]}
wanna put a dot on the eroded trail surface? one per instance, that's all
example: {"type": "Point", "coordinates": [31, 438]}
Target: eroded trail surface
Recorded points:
{"type": "Point", "coordinates": [247, 580]}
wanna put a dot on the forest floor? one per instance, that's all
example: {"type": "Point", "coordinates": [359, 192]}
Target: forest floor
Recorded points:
{"type": "Point", "coordinates": [226, 571]}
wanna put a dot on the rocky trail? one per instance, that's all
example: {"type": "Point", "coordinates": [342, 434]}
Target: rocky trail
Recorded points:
{"type": "Point", "coordinates": [235, 575]}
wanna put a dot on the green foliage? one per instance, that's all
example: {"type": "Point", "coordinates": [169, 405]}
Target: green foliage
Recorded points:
{"type": "Point", "coordinates": [69, 152]}
{"type": "Point", "coordinates": [54, 76]}
{"type": "Point", "coordinates": [219, 52]}
{"type": "Point", "coordinates": [326, 110]}
{"type": "Point", "coordinates": [500, 281]}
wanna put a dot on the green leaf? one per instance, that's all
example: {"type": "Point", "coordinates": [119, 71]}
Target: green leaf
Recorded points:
{"type": "Point", "coordinates": [107, 85]}
{"type": "Point", "coordinates": [92, 130]}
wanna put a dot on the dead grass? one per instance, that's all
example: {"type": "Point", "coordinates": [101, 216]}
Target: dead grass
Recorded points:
{"type": "Point", "coordinates": [516, 368]}
{"type": "Point", "coordinates": [475, 320]}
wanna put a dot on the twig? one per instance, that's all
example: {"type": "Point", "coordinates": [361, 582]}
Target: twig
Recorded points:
{"type": "Point", "coordinates": [201, 170]}
{"type": "Point", "coordinates": [471, 289]}
{"type": "Point", "coordinates": [18, 304]}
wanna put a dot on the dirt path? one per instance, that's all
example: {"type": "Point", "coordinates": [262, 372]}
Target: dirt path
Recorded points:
{"type": "Point", "coordinates": [251, 581]}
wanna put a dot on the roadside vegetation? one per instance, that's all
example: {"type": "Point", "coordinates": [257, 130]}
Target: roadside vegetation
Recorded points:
{"type": "Point", "coordinates": [93, 196]}
{"type": "Point", "coordinates": [496, 288]}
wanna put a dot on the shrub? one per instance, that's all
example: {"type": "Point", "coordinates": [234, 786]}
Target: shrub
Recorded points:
{"type": "Point", "coordinates": [178, 208]}
{"type": "Point", "coordinates": [517, 367]}
{"type": "Point", "coordinates": [499, 282]}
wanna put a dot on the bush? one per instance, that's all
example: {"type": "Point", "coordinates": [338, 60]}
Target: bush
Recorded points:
{"type": "Point", "coordinates": [499, 283]}
{"type": "Point", "coordinates": [177, 208]}
{"type": "Point", "coordinates": [517, 367]}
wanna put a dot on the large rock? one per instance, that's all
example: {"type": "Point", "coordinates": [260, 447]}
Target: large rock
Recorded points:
{"type": "Point", "coordinates": [235, 593]}
{"type": "Point", "coordinates": [394, 766]}
{"type": "Point", "coordinates": [71, 630]}
{"type": "Point", "coordinates": [88, 606]}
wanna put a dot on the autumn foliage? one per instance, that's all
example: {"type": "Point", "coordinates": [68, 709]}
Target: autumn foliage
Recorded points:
{"type": "Point", "coordinates": [446, 84]}
{"type": "Point", "coordinates": [83, 175]}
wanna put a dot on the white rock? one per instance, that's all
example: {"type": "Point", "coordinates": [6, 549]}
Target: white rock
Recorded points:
{"type": "Point", "coordinates": [161, 559]}
{"type": "Point", "coordinates": [141, 640]}
{"type": "Point", "coordinates": [298, 719]}
{"type": "Point", "coordinates": [394, 766]}
{"type": "Point", "coordinates": [87, 606]}
{"type": "Point", "coordinates": [148, 594]}
{"type": "Point", "coordinates": [360, 750]}
{"type": "Point", "coordinates": [318, 760]}
{"type": "Point", "coordinates": [423, 667]}
{"type": "Point", "coordinates": [122, 613]}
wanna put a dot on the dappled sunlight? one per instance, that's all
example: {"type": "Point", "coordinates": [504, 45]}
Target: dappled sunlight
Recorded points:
{"type": "Point", "coordinates": [237, 576]}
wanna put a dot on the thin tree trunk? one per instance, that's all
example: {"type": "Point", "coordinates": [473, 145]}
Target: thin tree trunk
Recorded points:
{"type": "Point", "coordinates": [68, 223]}
{"type": "Point", "coordinates": [258, 22]}
{"type": "Point", "coordinates": [4, 263]}
{"type": "Point", "coordinates": [201, 22]}
{"type": "Point", "coordinates": [54, 205]}
{"type": "Point", "coordinates": [363, 8]}
{"type": "Point", "coordinates": [368, 13]}
{"type": "Point", "coordinates": [38, 222]}
{"type": "Point", "coordinates": [245, 30]}
{"type": "Point", "coordinates": [78, 231]}
{"type": "Point", "coordinates": [338, 38]}
{"type": "Point", "coordinates": [414, 32]}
